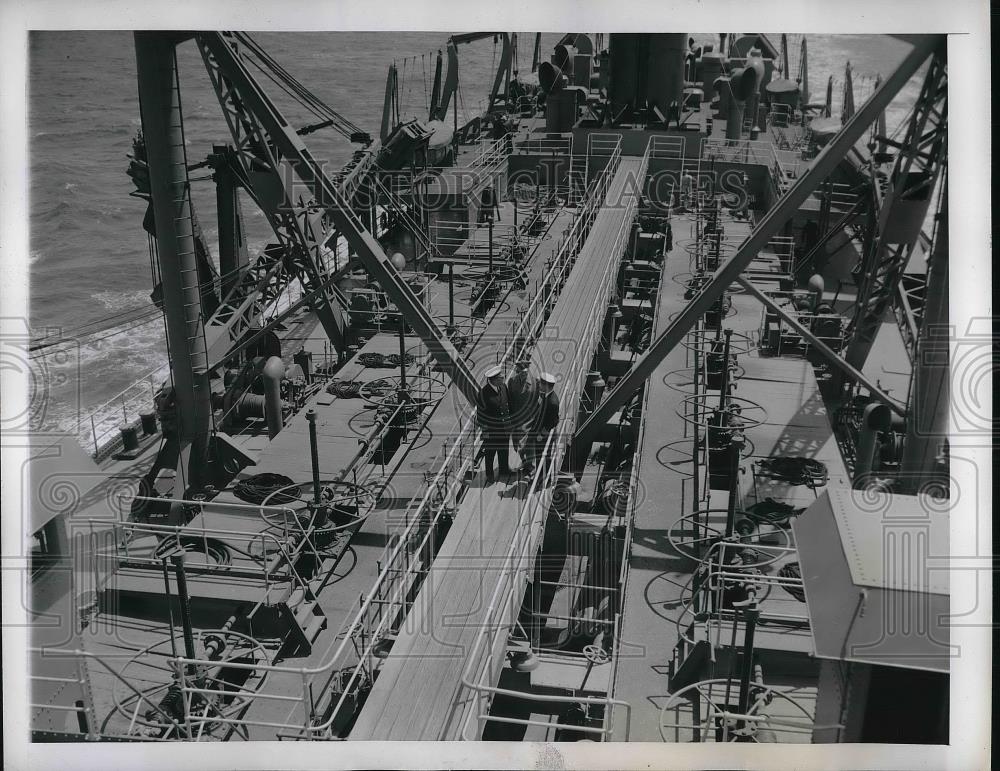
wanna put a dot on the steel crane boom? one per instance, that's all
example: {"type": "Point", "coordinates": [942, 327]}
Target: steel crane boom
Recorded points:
{"type": "Point", "coordinates": [307, 176]}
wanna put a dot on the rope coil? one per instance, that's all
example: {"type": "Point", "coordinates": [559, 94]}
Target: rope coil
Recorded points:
{"type": "Point", "coordinates": [345, 389]}
{"type": "Point", "coordinates": [384, 361]}
{"type": "Point", "coordinates": [260, 487]}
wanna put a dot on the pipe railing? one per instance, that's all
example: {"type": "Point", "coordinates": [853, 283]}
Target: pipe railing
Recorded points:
{"type": "Point", "coordinates": [492, 155]}
{"type": "Point", "coordinates": [519, 555]}
{"type": "Point", "coordinates": [274, 565]}
{"type": "Point", "coordinates": [483, 662]}
{"type": "Point", "coordinates": [666, 147]}
{"type": "Point", "coordinates": [99, 430]}
{"type": "Point", "coordinates": [563, 259]}
{"type": "Point", "coordinates": [301, 720]}
{"type": "Point", "coordinates": [561, 146]}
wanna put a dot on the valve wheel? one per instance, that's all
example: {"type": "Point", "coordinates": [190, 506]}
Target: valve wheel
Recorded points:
{"type": "Point", "coordinates": [296, 504]}
{"type": "Point", "coordinates": [596, 654]}
{"type": "Point", "coordinates": [155, 677]}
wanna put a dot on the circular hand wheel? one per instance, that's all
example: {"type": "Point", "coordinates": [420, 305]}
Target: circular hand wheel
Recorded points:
{"type": "Point", "coordinates": [596, 654]}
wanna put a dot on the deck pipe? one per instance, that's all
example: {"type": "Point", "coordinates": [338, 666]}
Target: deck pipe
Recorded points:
{"type": "Point", "coordinates": [170, 609]}
{"type": "Point", "coordinates": [735, 448]}
{"type": "Point", "coordinates": [877, 418]}
{"type": "Point", "coordinates": [451, 298]}
{"type": "Point", "coordinates": [750, 615]}
{"type": "Point", "coordinates": [743, 84]}
{"type": "Point", "coordinates": [177, 560]}
{"type": "Point", "coordinates": [274, 371]}
{"type": "Point", "coordinates": [724, 88]}
{"type": "Point", "coordinates": [724, 388]}
{"type": "Point", "coordinates": [734, 113]}
{"type": "Point", "coordinates": [755, 62]}
{"type": "Point", "coordinates": [696, 444]}
{"type": "Point", "coordinates": [314, 456]}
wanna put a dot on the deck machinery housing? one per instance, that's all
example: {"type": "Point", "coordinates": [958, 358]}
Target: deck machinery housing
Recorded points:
{"type": "Point", "coordinates": [722, 279]}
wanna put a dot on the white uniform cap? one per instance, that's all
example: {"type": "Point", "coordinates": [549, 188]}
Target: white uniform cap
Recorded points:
{"type": "Point", "coordinates": [548, 377]}
{"type": "Point", "coordinates": [494, 371]}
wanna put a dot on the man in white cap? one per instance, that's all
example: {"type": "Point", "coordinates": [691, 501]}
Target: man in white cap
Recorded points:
{"type": "Point", "coordinates": [687, 190]}
{"type": "Point", "coordinates": [522, 392]}
{"type": "Point", "coordinates": [546, 419]}
{"type": "Point", "coordinates": [494, 418]}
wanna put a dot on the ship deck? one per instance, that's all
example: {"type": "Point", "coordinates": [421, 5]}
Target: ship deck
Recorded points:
{"type": "Point", "coordinates": [341, 425]}
{"type": "Point", "coordinates": [658, 575]}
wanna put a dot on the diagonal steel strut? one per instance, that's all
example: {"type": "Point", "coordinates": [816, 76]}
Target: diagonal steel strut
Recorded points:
{"type": "Point", "coordinates": [769, 225]}
{"type": "Point", "coordinates": [329, 198]}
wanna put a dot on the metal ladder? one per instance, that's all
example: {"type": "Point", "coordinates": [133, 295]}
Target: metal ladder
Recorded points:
{"type": "Point", "coordinates": [184, 226]}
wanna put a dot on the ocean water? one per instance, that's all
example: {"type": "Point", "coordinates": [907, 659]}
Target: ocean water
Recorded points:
{"type": "Point", "coordinates": [89, 257]}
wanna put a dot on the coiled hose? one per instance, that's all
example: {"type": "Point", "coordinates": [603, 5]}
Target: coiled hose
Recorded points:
{"type": "Point", "coordinates": [792, 570]}
{"type": "Point", "coordinates": [257, 488]}
{"type": "Point", "coordinates": [797, 471]}
{"type": "Point", "coordinates": [217, 550]}
{"type": "Point", "coordinates": [771, 512]}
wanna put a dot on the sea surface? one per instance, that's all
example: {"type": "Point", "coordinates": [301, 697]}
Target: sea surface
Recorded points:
{"type": "Point", "coordinates": [89, 256]}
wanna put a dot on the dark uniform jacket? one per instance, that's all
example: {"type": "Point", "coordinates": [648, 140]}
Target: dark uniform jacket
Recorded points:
{"type": "Point", "coordinates": [548, 412]}
{"type": "Point", "coordinates": [523, 394]}
{"type": "Point", "coordinates": [494, 408]}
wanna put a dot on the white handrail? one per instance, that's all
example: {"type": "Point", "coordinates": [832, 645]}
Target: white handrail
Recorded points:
{"type": "Point", "coordinates": [515, 558]}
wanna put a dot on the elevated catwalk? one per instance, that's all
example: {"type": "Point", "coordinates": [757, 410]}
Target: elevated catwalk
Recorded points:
{"type": "Point", "coordinates": [418, 694]}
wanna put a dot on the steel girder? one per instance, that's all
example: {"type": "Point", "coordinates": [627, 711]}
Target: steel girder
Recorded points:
{"type": "Point", "coordinates": [768, 226]}
{"type": "Point", "coordinates": [925, 458]}
{"type": "Point", "coordinates": [257, 125]}
{"type": "Point", "coordinates": [921, 157]}
{"type": "Point", "coordinates": [300, 230]}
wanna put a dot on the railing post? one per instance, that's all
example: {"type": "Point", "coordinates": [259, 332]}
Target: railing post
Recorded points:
{"type": "Point", "coordinates": [307, 714]}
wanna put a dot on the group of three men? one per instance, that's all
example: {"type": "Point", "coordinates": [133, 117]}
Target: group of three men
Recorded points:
{"type": "Point", "coordinates": [521, 411]}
